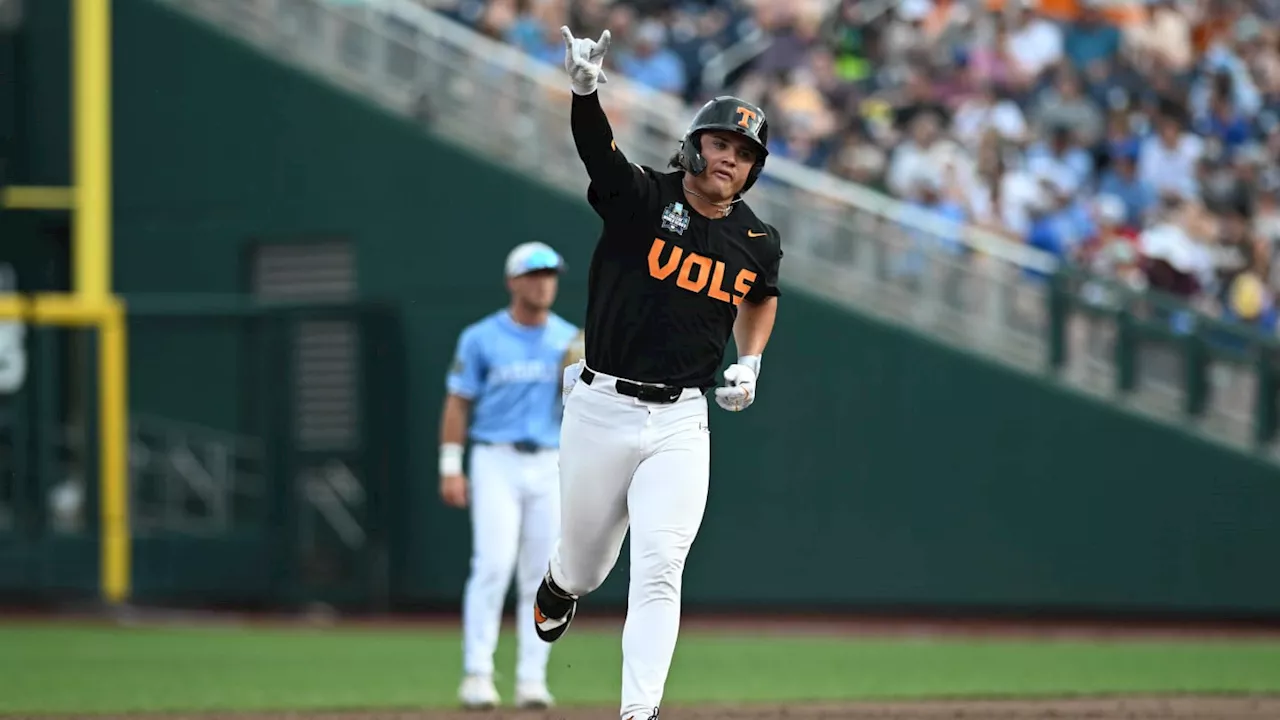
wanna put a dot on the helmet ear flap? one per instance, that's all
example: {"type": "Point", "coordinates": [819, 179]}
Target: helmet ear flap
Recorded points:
{"type": "Point", "coordinates": [691, 155]}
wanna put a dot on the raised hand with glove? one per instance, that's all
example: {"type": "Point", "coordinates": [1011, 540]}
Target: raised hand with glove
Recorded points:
{"type": "Point", "coordinates": [584, 61]}
{"type": "Point", "coordinates": [739, 389]}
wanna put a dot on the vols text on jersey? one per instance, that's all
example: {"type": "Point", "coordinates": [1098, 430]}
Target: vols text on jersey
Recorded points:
{"type": "Point", "coordinates": [697, 273]}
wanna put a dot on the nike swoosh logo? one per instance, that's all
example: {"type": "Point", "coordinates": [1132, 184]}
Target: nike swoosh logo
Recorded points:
{"type": "Point", "coordinates": [538, 617]}
{"type": "Point", "coordinates": [755, 234]}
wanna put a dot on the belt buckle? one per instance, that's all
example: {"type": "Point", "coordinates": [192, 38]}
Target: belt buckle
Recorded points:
{"type": "Point", "coordinates": [526, 447]}
{"type": "Point", "coordinates": [658, 393]}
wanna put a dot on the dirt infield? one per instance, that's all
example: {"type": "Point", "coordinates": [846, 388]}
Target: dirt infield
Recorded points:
{"type": "Point", "coordinates": [826, 625]}
{"type": "Point", "coordinates": [1199, 708]}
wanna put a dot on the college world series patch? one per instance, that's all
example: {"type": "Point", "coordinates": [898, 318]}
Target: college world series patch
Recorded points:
{"type": "Point", "coordinates": [675, 218]}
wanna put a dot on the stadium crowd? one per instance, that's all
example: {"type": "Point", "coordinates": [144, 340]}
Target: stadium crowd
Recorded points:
{"type": "Point", "coordinates": [1139, 138]}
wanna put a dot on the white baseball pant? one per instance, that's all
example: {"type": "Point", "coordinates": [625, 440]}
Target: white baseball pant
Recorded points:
{"type": "Point", "coordinates": [624, 461]}
{"type": "Point", "coordinates": [515, 515]}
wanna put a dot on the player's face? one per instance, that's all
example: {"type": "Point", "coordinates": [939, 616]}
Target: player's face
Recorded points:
{"type": "Point", "coordinates": [730, 158]}
{"type": "Point", "coordinates": [536, 290]}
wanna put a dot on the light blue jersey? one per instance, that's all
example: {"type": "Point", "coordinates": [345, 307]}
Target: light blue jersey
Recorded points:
{"type": "Point", "coordinates": [511, 373]}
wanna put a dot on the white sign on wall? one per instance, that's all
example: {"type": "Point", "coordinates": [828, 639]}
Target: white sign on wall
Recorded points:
{"type": "Point", "coordinates": [13, 346]}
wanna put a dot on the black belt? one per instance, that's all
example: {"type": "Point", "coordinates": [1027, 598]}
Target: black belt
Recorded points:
{"type": "Point", "coordinates": [665, 394]}
{"type": "Point", "coordinates": [524, 447]}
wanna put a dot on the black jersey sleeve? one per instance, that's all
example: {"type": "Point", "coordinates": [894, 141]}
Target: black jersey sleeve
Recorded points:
{"type": "Point", "coordinates": [618, 187]}
{"type": "Point", "coordinates": [771, 261]}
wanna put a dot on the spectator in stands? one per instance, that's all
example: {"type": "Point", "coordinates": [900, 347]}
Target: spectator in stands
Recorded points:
{"type": "Point", "coordinates": [805, 121]}
{"type": "Point", "coordinates": [517, 25]}
{"type": "Point", "coordinates": [1112, 252]}
{"type": "Point", "coordinates": [1167, 159]}
{"type": "Point", "coordinates": [1161, 40]}
{"type": "Point", "coordinates": [696, 37]}
{"type": "Point", "coordinates": [840, 95]}
{"type": "Point", "coordinates": [1021, 198]}
{"type": "Point", "coordinates": [1121, 181]}
{"type": "Point", "coordinates": [985, 110]}
{"type": "Point", "coordinates": [1035, 43]}
{"type": "Point", "coordinates": [794, 30]}
{"type": "Point", "coordinates": [919, 156]}
{"type": "Point", "coordinates": [859, 158]}
{"type": "Point", "coordinates": [1060, 157]}
{"type": "Point", "coordinates": [1043, 230]}
{"type": "Point", "coordinates": [1090, 38]}
{"type": "Point", "coordinates": [1065, 214]}
{"type": "Point", "coordinates": [644, 58]}
{"type": "Point", "coordinates": [851, 40]}
{"type": "Point", "coordinates": [1266, 224]}
{"type": "Point", "coordinates": [1223, 56]}
{"type": "Point", "coordinates": [1065, 104]}
{"type": "Point", "coordinates": [594, 16]}
{"type": "Point", "coordinates": [989, 59]}
{"type": "Point", "coordinates": [1250, 302]}
{"type": "Point", "coordinates": [985, 187]}
{"type": "Point", "coordinates": [1176, 247]}
{"type": "Point", "coordinates": [1222, 120]}
{"type": "Point", "coordinates": [535, 30]}
{"type": "Point", "coordinates": [1110, 85]}
{"type": "Point", "coordinates": [905, 43]}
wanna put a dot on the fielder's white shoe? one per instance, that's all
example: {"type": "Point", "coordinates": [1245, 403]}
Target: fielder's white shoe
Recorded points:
{"type": "Point", "coordinates": [533, 696]}
{"type": "Point", "coordinates": [478, 693]}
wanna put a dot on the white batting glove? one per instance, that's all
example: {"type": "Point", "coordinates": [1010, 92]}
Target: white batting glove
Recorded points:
{"type": "Point", "coordinates": [739, 389]}
{"type": "Point", "coordinates": [569, 378]}
{"type": "Point", "coordinates": [583, 60]}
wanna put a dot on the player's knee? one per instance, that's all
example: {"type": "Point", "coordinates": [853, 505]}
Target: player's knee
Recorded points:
{"type": "Point", "coordinates": [492, 572]}
{"type": "Point", "coordinates": [580, 581]}
{"type": "Point", "coordinates": [659, 570]}
{"type": "Point", "coordinates": [528, 579]}
{"type": "Point", "coordinates": [587, 582]}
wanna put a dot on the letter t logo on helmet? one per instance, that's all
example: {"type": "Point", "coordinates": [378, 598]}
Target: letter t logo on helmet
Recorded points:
{"type": "Point", "coordinates": [729, 114]}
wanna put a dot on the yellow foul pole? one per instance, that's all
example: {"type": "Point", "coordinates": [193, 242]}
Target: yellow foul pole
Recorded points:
{"type": "Point", "coordinates": [91, 79]}
{"type": "Point", "coordinates": [91, 95]}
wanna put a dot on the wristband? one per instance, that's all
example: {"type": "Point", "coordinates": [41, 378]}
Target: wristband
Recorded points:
{"type": "Point", "coordinates": [451, 459]}
{"type": "Point", "coordinates": [751, 361]}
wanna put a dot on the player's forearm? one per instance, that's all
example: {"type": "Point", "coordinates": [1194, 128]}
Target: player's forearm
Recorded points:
{"type": "Point", "coordinates": [754, 325]}
{"type": "Point", "coordinates": [453, 421]}
{"type": "Point", "coordinates": [606, 165]}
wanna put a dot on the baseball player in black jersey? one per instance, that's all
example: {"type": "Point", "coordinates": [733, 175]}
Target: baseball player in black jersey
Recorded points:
{"type": "Point", "coordinates": [682, 264]}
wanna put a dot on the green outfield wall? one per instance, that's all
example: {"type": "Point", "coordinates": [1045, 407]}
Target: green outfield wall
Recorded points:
{"type": "Point", "coordinates": [878, 468]}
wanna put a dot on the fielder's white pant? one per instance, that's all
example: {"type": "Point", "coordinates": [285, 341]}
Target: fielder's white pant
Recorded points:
{"type": "Point", "coordinates": [515, 515]}
{"type": "Point", "coordinates": [627, 461]}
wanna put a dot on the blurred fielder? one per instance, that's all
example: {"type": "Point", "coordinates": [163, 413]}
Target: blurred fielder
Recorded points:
{"type": "Point", "coordinates": [504, 395]}
{"type": "Point", "coordinates": [682, 264]}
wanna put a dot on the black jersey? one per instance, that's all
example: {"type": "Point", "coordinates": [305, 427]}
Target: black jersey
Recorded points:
{"type": "Point", "coordinates": [665, 282]}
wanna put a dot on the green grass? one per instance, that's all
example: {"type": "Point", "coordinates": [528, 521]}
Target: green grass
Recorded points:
{"type": "Point", "coordinates": [59, 669]}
